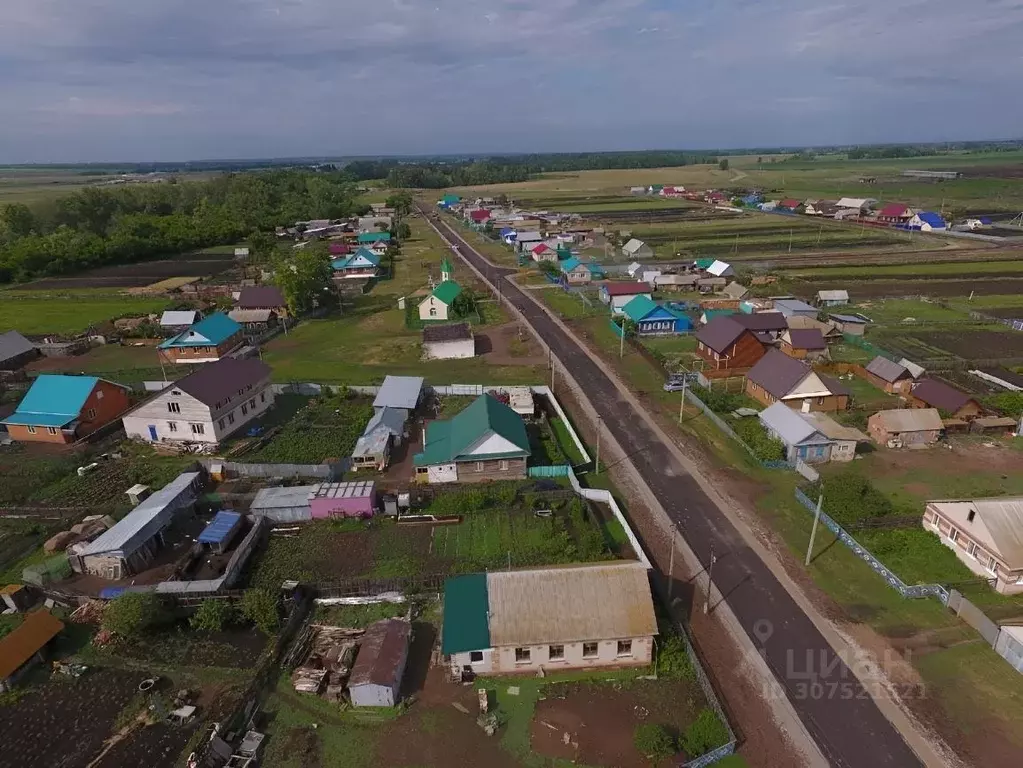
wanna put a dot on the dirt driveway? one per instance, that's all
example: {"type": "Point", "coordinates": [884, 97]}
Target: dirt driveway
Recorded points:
{"type": "Point", "coordinates": [505, 345]}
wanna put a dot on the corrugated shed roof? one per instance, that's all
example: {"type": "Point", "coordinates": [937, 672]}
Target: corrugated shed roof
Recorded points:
{"type": "Point", "coordinates": [452, 332]}
{"type": "Point", "coordinates": [938, 394]}
{"type": "Point", "coordinates": [763, 321]}
{"type": "Point", "coordinates": [567, 605]}
{"type": "Point", "coordinates": [260, 296]}
{"type": "Point", "coordinates": [910, 420]}
{"type": "Point", "coordinates": [143, 522]}
{"type": "Point", "coordinates": [282, 498]}
{"type": "Point", "coordinates": [735, 290]}
{"type": "Point", "coordinates": [836, 295]}
{"type": "Point", "coordinates": [621, 288]}
{"type": "Point", "coordinates": [220, 527]}
{"type": "Point", "coordinates": [178, 317]}
{"type": "Point", "coordinates": [466, 627]}
{"type": "Point", "coordinates": [399, 392]}
{"type": "Point", "coordinates": [848, 319]}
{"type": "Point", "coordinates": [778, 373]}
{"type": "Point", "coordinates": [793, 305]}
{"type": "Point", "coordinates": [53, 400]}
{"type": "Point", "coordinates": [13, 344]}
{"type": "Point", "coordinates": [997, 523]}
{"type": "Point", "coordinates": [382, 654]}
{"type": "Point", "coordinates": [718, 268]}
{"type": "Point", "coordinates": [360, 489]}
{"type": "Point", "coordinates": [934, 219]}
{"type": "Point", "coordinates": [828, 427]}
{"type": "Point", "coordinates": [887, 370]}
{"type": "Point", "coordinates": [374, 237]}
{"type": "Point", "coordinates": [251, 315]}
{"type": "Point", "coordinates": [633, 246]}
{"type": "Point", "coordinates": [787, 424]}
{"type": "Point", "coordinates": [26, 640]}
{"type": "Point", "coordinates": [916, 371]}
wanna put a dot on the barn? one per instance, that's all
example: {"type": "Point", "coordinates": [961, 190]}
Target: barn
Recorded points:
{"type": "Point", "coordinates": [380, 664]}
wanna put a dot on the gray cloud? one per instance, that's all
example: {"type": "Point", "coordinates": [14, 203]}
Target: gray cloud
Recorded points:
{"type": "Point", "coordinates": [145, 79]}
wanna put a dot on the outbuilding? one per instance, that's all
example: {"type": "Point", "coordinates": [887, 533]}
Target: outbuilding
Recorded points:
{"type": "Point", "coordinates": [854, 325]}
{"type": "Point", "coordinates": [617, 294]}
{"type": "Point", "coordinates": [15, 351]}
{"type": "Point", "coordinates": [834, 298]}
{"type": "Point", "coordinates": [903, 426]}
{"type": "Point", "coordinates": [221, 531]}
{"type": "Point", "coordinates": [356, 499]}
{"type": "Point", "coordinates": [22, 647]}
{"type": "Point", "coordinates": [402, 392]}
{"type": "Point", "coordinates": [380, 664]}
{"type": "Point", "coordinates": [888, 375]}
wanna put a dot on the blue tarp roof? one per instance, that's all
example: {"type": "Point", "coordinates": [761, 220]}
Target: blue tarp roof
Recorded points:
{"type": "Point", "coordinates": [53, 400]}
{"type": "Point", "coordinates": [220, 527]}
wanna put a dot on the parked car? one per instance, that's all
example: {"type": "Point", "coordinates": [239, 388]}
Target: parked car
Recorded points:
{"type": "Point", "coordinates": [678, 381]}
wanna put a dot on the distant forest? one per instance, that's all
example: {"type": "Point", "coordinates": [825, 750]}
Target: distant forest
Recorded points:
{"type": "Point", "coordinates": [118, 225]}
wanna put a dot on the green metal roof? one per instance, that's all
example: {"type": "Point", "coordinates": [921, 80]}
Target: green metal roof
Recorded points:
{"type": "Point", "coordinates": [466, 605]}
{"type": "Point", "coordinates": [569, 264]}
{"type": "Point", "coordinates": [704, 263]}
{"type": "Point", "coordinates": [448, 441]}
{"type": "Point", "coordinates": [374, 237]}
{"type": "Point", "coordinates": [641, 306]}
{"type": "Point", "coordinates": [447, 291]}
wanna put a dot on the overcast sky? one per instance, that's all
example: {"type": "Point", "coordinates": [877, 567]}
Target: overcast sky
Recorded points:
{"type": "Point", "coordinates": [110, 80]}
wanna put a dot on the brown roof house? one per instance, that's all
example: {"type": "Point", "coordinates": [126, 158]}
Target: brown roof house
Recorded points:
{"type": "Point", "coordinates": [770, 324]}
{"type": "Point", "coordinates": [263, 297]}
{"type": "Point", "coordinates": [726, 345]}
{"type": "Point", "coordinates": [985, 534]}
{"type": "Point", "coordinates": [902, 426]}
{"type": "Point", "coordinates": [804, 344]}
{"type": "Point", "coordinates": [931, 393]}
{"type": "Point", "coordinates": [889, 376]}
{"type": "Point", "coordinates": [23, 647]}
{"type": "Point", "coordinates": [380, 665]}
{"type": "Point", "coordinates": [778, 377]}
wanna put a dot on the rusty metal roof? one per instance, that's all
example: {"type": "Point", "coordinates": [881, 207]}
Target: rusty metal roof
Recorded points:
{"type": "Point", "coordinates": [26, 640]}
{"type": "Point", "coordinates": [382, 653]}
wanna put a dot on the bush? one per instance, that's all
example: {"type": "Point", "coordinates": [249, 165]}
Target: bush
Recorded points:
{"type": "Point", "coordinates": [1007, 403]}
{"type": "Point", "coordinates": [213, 615]}
{"type": "Point", "coordinates": [764, 447]}
{"type": "Point", "coordinates": [718, 400]}
{"type": "Point", "coordinates": [260, 607]}
{"type": "Point", "coordinates": [653, 741]}
{"type": "Point", "coordinates": [673, 660]}
{"type": "Point", "coordinates": [135, 613]}
{"type": "Point", "coordinates": [705, 733]}
{"type": "Point", "coordinates": [849, 497]}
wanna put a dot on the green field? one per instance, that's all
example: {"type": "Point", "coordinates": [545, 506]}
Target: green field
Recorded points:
{"type": "Point", "coordinates": [954, 269]}
{"type": "Point", "coordinates": [69, 312]}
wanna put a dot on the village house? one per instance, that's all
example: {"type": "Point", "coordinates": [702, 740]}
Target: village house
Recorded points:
{"type": "Point", "coordinates": [637, 249]}
{"type": "Point", "coordinates": [375, 680]}
{"type": "Point", "coordinates": [654, 319]}
{"type": "Point", "coordinates": [802, 440]}
{"type": "Point", "coordinates": [790, 204]}
{"type": "Point", "coordinates": [985, 534]}
{"type": "Point", "coordinates": [844, 440]}
{"type": "Point", "coordinates": [927, 221]}
{"type": "Point", "coordinates": [207, 341]}
{"type": "Point", "coordinates": [132, 545]}
{"type": "Point", "coordinates": [254, 322]}
{"type": "Point", "coordinates": [174, 321]}
{"type": "Point", "coordinates": [826, 208]}
{"type": "Point", "coordinates": [64, 409]}
{"type": "Point", "coordinates": [895, 213]}
{"type": "Point", "coordinates": [828, 330]}
{"type": "Point", "coordinates": [448, 342]}
{"type": "Point", "coordinates": [374, 238]}
{"type": "Point", "coordinates": [525, 622]}
{"type": "Point", "coordinates": [768, 326]}
{"type": "Point", "coordinates": [361, 265]}
{"type": "Point", "coordinates": [834, 298]}
{"type": "Point", "coordinates": [525, 242]}
{"type": "Point", "coordinates": [676, 283]}
{"type": "Point", "coordinates": [578, 272]}
{"type": "Point", "coordinates": [617, 294]}
{"type": "Point", "coordinates": [725, 344]}
{"type": "Point", "coordinates": [206, 406]}
{"type": "Point", "coordinates": [15, 351]}
{"type": "Point", "coordinates": [861, 205]}
{"type": "Point", "coordinates": [889, 376]}
{"type": "Point", "coordinates": [263, 297]}
{"type": "Point", "coordinates": [851, 324]}
{"type": "Point", "coordinates": [931, 393]}
{"type": "Point", "coordinates": [543, 252]}
{"type": "Point", "coordinates": [804, 344]}
{"type": "Point", "coordinates": [22, 648]}
{"type": "Point", "coordinates": [439, 304]}
{"type": "Point", "coordinates": [791, 307]}
{"type": "Point", "coordinates": [778, 377]}
{"type": "Point", "coordinates": [900, 427]}
{"type": "Point", "coordinates": [486, 441]}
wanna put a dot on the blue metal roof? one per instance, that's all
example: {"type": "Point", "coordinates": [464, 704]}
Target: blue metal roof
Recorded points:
{"type": "Point", "coordinates": [929, 217]}
{"type": "Point", "coordinates": [213, 330]}
{"type": "Point", "coordinates": [220, 527]}
{"type": "Point", "coordinates": [53, 400]}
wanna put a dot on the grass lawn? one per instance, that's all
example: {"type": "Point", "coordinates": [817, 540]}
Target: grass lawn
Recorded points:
{"type": "Point", "coordinates": [892, 312]}
{"type": "Point", "coordinates": [568, 305]}
{"type": "Point", "coordinates": [357, 616]}
{"type": "Point", "coordinates": [565, 441]}
{"type": "Point", "coordinates": [69, 312]}
{"type": "Point", "coordinates": [123, 364]}
{"type": "Point", "coordinates": [863, 392]}
{"type": "Point", "coordinates": [951, 269]}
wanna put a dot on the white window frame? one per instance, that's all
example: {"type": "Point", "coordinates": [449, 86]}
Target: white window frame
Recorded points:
{"type": "Point", "coordinates": [627, 653]}
{"type": "Point", "coordinates": [523, 655]}
{"type": "Point", "coordinates": [551, 656]}
{"type": "Point", "coordinates": [596, 651]}
{"type": "Point", "coordinates": [174, 407]}
{"type": "Point", "coordinates": [172, 426]}
{"type": "Point", "coordinates": [198, 429]}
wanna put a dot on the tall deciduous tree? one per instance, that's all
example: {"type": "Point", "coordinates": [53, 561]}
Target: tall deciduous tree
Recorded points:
{"type": "Point", "coordinates": [304, 278]}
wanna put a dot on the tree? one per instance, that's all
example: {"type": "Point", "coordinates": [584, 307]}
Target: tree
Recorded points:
{"type": "Point", "coordinates": [213, 615]}
{"type": "Point", "coordinates": [304, 277]}
{"type": "Point", "coordinates": [464, 303]}
{"type": "Point", "coordinates": [705, 733]}
{"type": "Point", "coordinates": [653, 741]}
{"type": "Point", "coordinates": [262, 247]}
{"type": "Point", "coordinates": [17, 220]}
{"type": "Point", "coordinates": [260, 607]}
{"type": "Point", "coordinates": [723, 164]}
{"type": "Point", "coordinates": [135, 613]}
{"type": "Point", "coordinates": [403, 231]}
{"type": "Point", "coordinates": [401, 202]}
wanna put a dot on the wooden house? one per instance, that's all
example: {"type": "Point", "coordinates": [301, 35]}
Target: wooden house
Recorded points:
{"type": "Point", "coordinates": [725, 344]}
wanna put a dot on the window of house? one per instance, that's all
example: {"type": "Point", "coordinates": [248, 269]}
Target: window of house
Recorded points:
{"type": "Point", "coordinates": [953, 535]}
{"type": "Point", "coordinates": [198, 429]}
{"type": "Point", "coordinates": [970, 515]}
{"type": "Point", "coordinates": [230, 418]}
{"type": "Point", "coordinates": [172, 426]}
{"type": "Point", "coordinates": [504, 465]}
{"type": "Point", "coordinates": [245, 409]}
{"type": "Point", "coordinates": [174, 407]}
{"type": "Point", "coordinates": [433, 311]}
{"type": "Point", "coordinates": [90, 414]}
{"type": "Point", "coordinates": [479, 466]}
{"type": "Point", "coordinates": [556, 652]}
{"type": "Point", "coordinates": [522, 655]}
{"type": "Point", "coordinates": [475, 657]}
{"type": "Point", "coordinates": [589, 650]}
{"type": "Point", "coordinates": [241, 391]}
{"type": "Point", "coordinates": [52, 430]}
{"type": "Point", "coordinates": [262, 397]}
{"type": "Point", "coordinates": [31, 429]}
{"type": "Point", "coordinates": [220, 423]}
{"type": "Point", "coordinates": [624, 647]}
{"type": "Point", "coordinates": [252, 403]}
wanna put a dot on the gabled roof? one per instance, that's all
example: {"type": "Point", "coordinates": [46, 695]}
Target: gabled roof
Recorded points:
{"type": "Point", "coordinates": [791, 203]}
{"type": "Point", "coordinates": [450, 440]}
{"type": "Point", "coordinates": [887, 370]}
{"type": "Point", "coordinates": [718, 268]}
{"type": "Point", "coordinates": [735, 290]}
{"type": "Point", "coordinates": [212, 330]}
{"type": "Point", "coordinates": [910, 420]}
{"type": "Point", "coordinates": [215, 382]}
{"type": "Point", "coordinates": [938, 394]}
{"type": "Point", "coordinates": [793, 305]}
{"type": "Point", "coordinates": [763, 321]}
{"type": "Point", "coordinates": [374, 237]}
{"type": "Point", "coordinates": [828, 427]}
{"type": "Point", "coordinates": [778, 373]}
{"type": "Point", "coordinates": [178, 317]}
{"type": "Point", "coordinates": [542, 248]}
{"type": "Point", "coordinates": [360, 258]}
{"type": "Point", "coordinates": [641, 307]}
{"type": "Point", "coordinates": [789, 426]}
{"type": "Point", "coordinates": [13, 344]}
{"type": "Point", "coordinates": [929, 217]}
{"type": "Point", "coordinates": [53, 400]}
{"type": "Point", "coordinates": [916, 371]}
{"type": "Point", "coordinates": [339, 249]}
{"type": "Point", "coordinates": [451, 332]}
{"type": "Point", "coordinates": [447, 292]}
{"type": "Point", "coordinates": [399, 392]}
{"type": "Point", "coordinates": [837, 295]}
{"type": "Point", "coordinates": [261, 297]}
{"type": "Point", "coordinates": [894, 210]}
{"type": "Point", "coordinates": [466, 627]}
{"type": "Point", "coordinates": [804, 338]}
{"type": "Point", "coordinates": [622, 288]}
{"type": "Point", "coordinates": [569, 264]}
{"type": "Point", "coordinates": [997, 524]}
{"type": "Point", "coordinates": [633, 246]}
{"type": "Point", "coordinates": [251, 315]}
{"type": "Point", "coordinates": [382, 653]}
{"type": "Point", "coordinates": [720, 333]}
{"type": "Point", "coordinates": [855, 202]}
{"type": "Point", "coordinates": [26, 640]}
{"type": "Point", "coordinates": [847, 319]}
{"type": "Point", "coordinates": [479, 215]}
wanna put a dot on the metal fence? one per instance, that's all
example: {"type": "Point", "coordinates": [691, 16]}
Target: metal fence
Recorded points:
{"type": "Point", "coordinates": [724, 427]}
{"type": "Point", "coordinates": [557, 470]}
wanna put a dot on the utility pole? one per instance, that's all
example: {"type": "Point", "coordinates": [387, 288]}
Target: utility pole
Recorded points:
{"type": "Point", "coordinates": [600, 430]}
{"type": "Point", "coordinates": [710, 581]}
{"type": "Point", "coordinates": [671, 568]}
{"type": "Point", "coordinates": [790, 241]}
{"type": "Point", "coordinates": [813, 531]}
{"type": "Point", "coordinates": [621, 340]}
{"type": "Point", "coordinates": [682, 405]}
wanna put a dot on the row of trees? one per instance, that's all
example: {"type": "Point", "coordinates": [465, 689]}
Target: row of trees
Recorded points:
{"type": "Point", "coordinates": [118, 225]}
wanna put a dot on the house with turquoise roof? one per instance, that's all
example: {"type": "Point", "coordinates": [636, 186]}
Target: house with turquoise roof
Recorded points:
{"type": "Point", "coordinates": [64, 409]}
{"type": "Point", "coordinates": [207, 341]}
{"type": "Point", "coordinates": [653, 319]}
{"type": "Point", "coordinates": [361, 265]}
{"type": "Point", "coordinates": [371, 238]}
{"type": "Point", "coordinates": [579, 272]}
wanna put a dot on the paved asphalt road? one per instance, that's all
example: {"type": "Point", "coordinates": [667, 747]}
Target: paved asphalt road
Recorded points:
{"type": "Point", "coordinates": [840, 715]}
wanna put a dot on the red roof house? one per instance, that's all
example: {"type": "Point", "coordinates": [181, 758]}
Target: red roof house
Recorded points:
{"type": "Point", "coordinates": [895, 212]}
{"type": "Point", "coordinates": [790, 203]}
{"type": "Point", "coordinates": [480, 216]}
{"type": "Point", "coordinates": [339, 249]}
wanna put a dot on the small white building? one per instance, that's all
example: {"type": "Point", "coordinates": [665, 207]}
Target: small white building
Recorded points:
{"type": "Point", "coordinates": [637, 249]}
{"type": "Point", "coordinates": [437, 306]}
{"type": "Point", "coordinates": [448, 342]}
{"type": "Point", "coordinates": [380, 664]}
{"type": "Point", "coordinates": [206, 406]}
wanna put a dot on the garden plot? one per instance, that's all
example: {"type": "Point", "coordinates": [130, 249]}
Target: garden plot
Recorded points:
{"type": "Point", "coordinates": [69, 312]}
